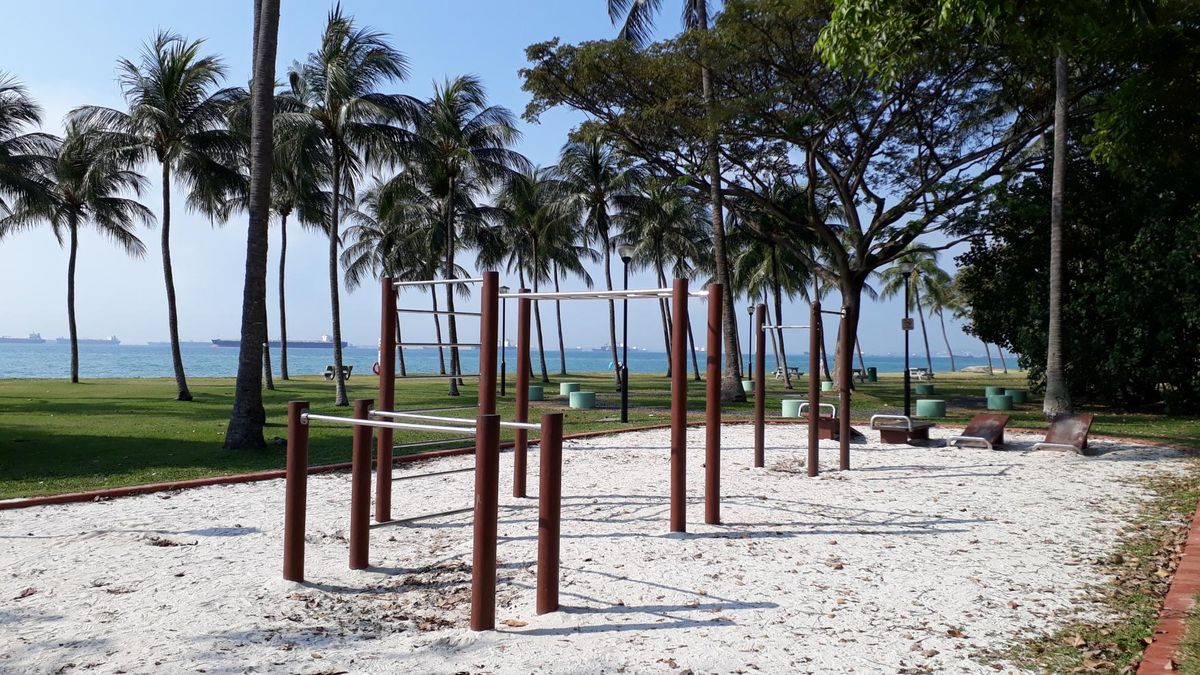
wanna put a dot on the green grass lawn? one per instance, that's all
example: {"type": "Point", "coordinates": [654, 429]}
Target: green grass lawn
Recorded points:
{"type": "Point", "coordinates": [57, 437]}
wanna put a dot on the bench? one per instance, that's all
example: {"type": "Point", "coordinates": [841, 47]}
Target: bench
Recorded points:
{"type": "Point", "coordinates": [921, 373]}
{"type": "Point", "coordinates": [984, 429]}
{"type": "Point", "coordinates": [1068, 432]}
{"type": "Point", "coordinates": [898, 429]}
{"type": "Point", "coordinates": [346, 370]}
{"type": "Point", "coordinates": [793, 371]}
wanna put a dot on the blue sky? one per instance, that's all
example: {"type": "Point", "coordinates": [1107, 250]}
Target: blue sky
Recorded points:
{"type": "Point", "coordinates": [65, 52]}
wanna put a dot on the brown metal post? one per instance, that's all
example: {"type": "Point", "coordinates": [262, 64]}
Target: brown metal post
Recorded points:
{"type": "Point", "coordinates": [521, 444]}
{"type": "Point", "coordinates": [488, 331]}
{"type": "Point", "coordinates": [814, 388]}
{"type": "Point", "coordinates": [847, 344]}
{"type": "Point", "coordinates": [712, 409]}
{"type": "Point", "coordinates": [487, 512]}
{"type": "Point", "coordinates": [387, 399]}
{"type": "Point", "coordinates": [679, 384]}
{"type": "Point", "coordinates": [760, 386]}
{"type": "Point", "coordinates": [296, 493]}
{"type": "Point", "coordinates": [549, 511]}
{"type": "Point", "coordinates": [360, 488]}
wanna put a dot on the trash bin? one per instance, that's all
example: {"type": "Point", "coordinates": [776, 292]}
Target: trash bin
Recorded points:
{"type": "Point", "coordinates": [924, 389]}
{"type": "Point", "coordinates": [748, 386]}
{"type": "Point", "coordinates": [582, 399]}
{"type": "Point", "coordinates": [791, 407]}
{"type": "Point", "coordinates": [872, 374]}
{"type": "Point", "coordinates": [1000, 402]}
{"type": "Point", "coordinates": [826, 385]}
{"type": "Point", "coordinates": [536, 392]}
{"type": "Point", "coordinates": [931, 407]}
{"type": "Point", "coordinates": [565, 388]}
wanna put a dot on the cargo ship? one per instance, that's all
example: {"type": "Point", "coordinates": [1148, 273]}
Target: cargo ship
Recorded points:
{"type": "Point", "coordinates": [324, 342]}
{"type": "Point", "coordinates": [110, 340]}
{"type": "Point", "coordinates": [33, 339]}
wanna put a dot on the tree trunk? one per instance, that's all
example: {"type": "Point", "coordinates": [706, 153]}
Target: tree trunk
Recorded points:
{"type": "Point", "coordinates": [824, 353]}
{"type": "Point", "coordinates": [692, 342]}
{"type": "Point", "coordinates": [73, 224]}
{"type": "Point", "coordinates": [787, 375]}
{"type": "Point", "coordinates": [664, 309]}
{"type": "Point", "coordinates": [1058, 399]}
{"type": "Point", "coordinates": [562, 348]}
{"type": "Point", "coordinates": [183, 394]}
{"type": "Point", "coordinates": [537, 320]}
{"type": "Point", "coordinates": [924, 333]}
{"type": "Point", "coordinates": [946, 339]}
{"type": "Point", "coordinates": [774, 335]}
{"type": "Point", "coordinates": [283, 368]}
{"type": "Point", "coordinates": [988, 350]}
{"type": "Point", "coordinates": [246, 423]}
{"type": "Point", "coordinates": [861, 363]}
{"type": "Point", "coordinates": [612, 311]}
{"type": "Point", "coordinates": [1003, 362]}
{"type": "Point", "coordinates": [266, 363]}
{"type": "Point", "coordinates": [455, 368]}
{"type": "Point", "coordinates": [851, 290]}
{"type": "Point", "coordinates": [339, 398]}
{"type": "Point", "coordinates": [400, 350]}
{"type": "Point", "coordinates": [437, 331]}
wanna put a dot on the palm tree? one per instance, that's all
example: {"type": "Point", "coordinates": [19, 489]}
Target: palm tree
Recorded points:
{"type": "Point", "coordinates": [924, 278]}
{"type": "Point", "coordinates": [25, 156]}
{"type": "Point", "coordinates": [637, 22]}
{"type": "Point", "coordinates": [940, 294]}
{"type": "Point", "coordinates": [596, 176]}
{"type": "Point", "coordinates": [337, 92]}
{"type": "Point", "coordinates": [177, 116]}
{"type": "Point", "coordinates": [86, 184]}
{"type": "Point", "coordinates": [1058, 397]}
{"type": "Point", "coordinates": [464, 147]}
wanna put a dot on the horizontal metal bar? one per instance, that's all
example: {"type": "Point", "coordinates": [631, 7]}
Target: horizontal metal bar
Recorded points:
{"type": "Point", "coordinates": [431, 282]}
{"type": "Point", "coordinates": [446, 472]}
{"type": "Point", "coordinates": [592, 295]}
{"type": "Point", "coordinates": [306, 417]}
{"type": "Point", "coordinates": [406, 310]}
{"type": "Point", "coordinates": [820, 407]}
{"type": "Point", "coordinates": [838, 312]}
{"type": "Point", "coordinates": [788, 325]}
{"type": "Point", "coordinates": [427, 376]}
{"type": "Point", "coordinates": [446, 345]}
{"type": "Point", "coordinates": [896, 418]}
{"type": "Point", "coordinates": [425, 444]}
{"type": "Point", "coordinates": [451, 420]}
{"type": "Point", "coordinates": [1055, 446]}
{"type": "Point", "coordinates": [424, 516]}
{"type": "Point", "coordinates": [969, 439]}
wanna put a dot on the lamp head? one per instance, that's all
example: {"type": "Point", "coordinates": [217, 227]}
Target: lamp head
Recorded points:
{"type": "Point", "coordinates": [504, 289]}
{"type": "Point", "coordinates": [905, 267]}
{"type": "Point", "coordinates": [625, 251]}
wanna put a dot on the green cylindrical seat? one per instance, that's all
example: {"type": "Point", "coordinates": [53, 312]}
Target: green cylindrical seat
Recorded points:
{"type": "Point", "coordinates": [1018, 395]}
{"type": "Point", "coordinates": [826, 385]}
{"type": "Point", "coordinates": [583, 399]}
{"type": "Point", "coordinates": [924, 389]}
{"type": "Point", "coordinates": [931, 407]}
{"type": "Point", "coordinates": [993, 391]}
{"type": "Point", "coordinates": [565, 388]}
{"type": "Point", "coordinates": [791, 407]}
{"type": "Point", "coordinates": [748, 386]}
{"type": "Point", "coordinates": [1000, 402]}
{"type": "Point", "coordinates": [872, 374]}
{"type": "Point", "coordinates": [535, 392]}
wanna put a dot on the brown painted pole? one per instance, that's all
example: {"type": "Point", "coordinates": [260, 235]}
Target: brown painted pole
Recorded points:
{"type": "Point", "coordinates": [679, 384]}
{"type": "Point", "coordinates": [487, 513]}
{"type": "Point", "coordinates": [387, 399]}
{"type": "Point", "coordinates": [488, 331]}
{"type": "Point", "coordinates": [760, 386]}
{"type": "Point", "coordinates": [360, 488]}
{"type": "Point", "coordinates": [814, 388]}
{"type": "Point", "coordinates": [521, 446]}
{"type": "Point", "coordinates": [296, 493]}
{"type": "Point", "coordinates": [712, 409]}
{"type": "Point", "coordinates": [549, 512]}
{"type": "Point", "coordinates": [844, 394]}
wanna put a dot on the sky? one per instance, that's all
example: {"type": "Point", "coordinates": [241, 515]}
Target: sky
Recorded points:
{"type": "Point", "coordinates": [73, 63]}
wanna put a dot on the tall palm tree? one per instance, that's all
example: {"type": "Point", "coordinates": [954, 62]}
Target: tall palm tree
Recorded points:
{"type": "Point", "coordinates": [25, 156]}
{"type": "Point", "coordinates": [940, 294]}
{"type": "Point", "coordinates": [596, 176]}
{"type": "Point", "coordinates": [86, 184]}
{"type": "Point", "coordinates": [1058, 397]}
{"type": "Point", "coordinates": [924, 278]}
{"type": "Point", "coordinates": [177, 116]}
{"type": "Point", "coordinates": [567, 250]}
{"type": "Point", "coordinates": [464, 143]}
{"type": "Point", "coordinates": [337, 88]}
{"type": "Point", "coordinates": [637, 22]}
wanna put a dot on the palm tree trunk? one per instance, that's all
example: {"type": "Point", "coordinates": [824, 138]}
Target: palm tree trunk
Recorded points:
{"type": "Point", "coordinates": [1003, 362]}
{"type": "Point", "coordinates": [73, 224]}
{"type": "Point", "coordinates": [949, 350]}
{"type": "Point", "coordinates": [612, 312]}
{"type": "Point", "coordinates": [437, 331]}
{"type": "Point", "coordinates": [183, 394]}
{"type": "Point", "coordinates": [283, 368]}
{"type": "Point", "coordinates": [988, 350]}
{"type": "Point", "coordinates": [692, 342]}
{"type": "Point", "coordinates": [861, 363]}
{"type": "Point", "coordinates": [455, 370]}
{"type": "Point", "coordinates": [774, 338]}
{"type": "Point", "coordinates": [400, 350]}
{"type": "Point", "coordinates": [537, 319]}
{"type": "Point", "coordinates": [562, 349]}
{"type": "Point", "coordinates": [664, 308]}
{"type": "Point", "coordinates": [335, 306]}
{"type": "Point", "coordinates": [266, 363]}
{"type": "Point", "coordinates": [1058, 399]}
{"type": "Point", "coordinates": [787, 375]}
{"type": "Point", "coordinates": [924, 333]}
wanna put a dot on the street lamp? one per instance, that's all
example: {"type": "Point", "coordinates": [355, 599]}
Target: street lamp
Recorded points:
{"type": "Point", "coordinates": [626, 253]}
{"type": "Point", "coordinates": [906, 325]}
{"type": "Point", "coordinates": [749, 341]}
{"type": "Point", "coordinates": [503, 338]}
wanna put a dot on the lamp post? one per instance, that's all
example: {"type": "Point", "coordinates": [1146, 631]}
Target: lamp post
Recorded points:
{"type": "Point", "coordinates": [626, 253]}
{"type": "Point", "coordinates": [906, 325]}
{"type": "Point", "coordinates": [503, 339]}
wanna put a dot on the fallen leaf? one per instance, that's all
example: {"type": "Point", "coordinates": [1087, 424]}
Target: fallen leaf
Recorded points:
{"type": "Point", "coordinates": [515, 623]}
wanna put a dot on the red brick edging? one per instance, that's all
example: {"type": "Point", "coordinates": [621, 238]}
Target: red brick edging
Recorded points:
{"type": "Point", "coordinates": [1181, 597]}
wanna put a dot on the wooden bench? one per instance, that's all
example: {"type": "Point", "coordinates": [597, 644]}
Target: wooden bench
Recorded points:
{"type": "Point", "coordinates": [346, 370]}
{"type": "Point", "coordinates": [986, 429]}
{"type": "Point", "coordinates": [901, 429]}
{"type": "Point", "coordinates": [1068, 432]}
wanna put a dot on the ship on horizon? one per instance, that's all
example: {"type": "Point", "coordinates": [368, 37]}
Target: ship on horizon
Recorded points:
{"type": "Point", "coordinates": [110, 340]}
{"type": "Point", "coordinates": [33, 339]}
{"type": "Point", "coordinates": [293, 344]}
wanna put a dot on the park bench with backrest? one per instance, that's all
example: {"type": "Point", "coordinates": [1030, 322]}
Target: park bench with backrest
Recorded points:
{"type": "Point", "coordinates": [986, 429]}
{"type": "Point", "coordinates": [346, 370]}
{"type": "Point", "coordinates": [1068, 432]}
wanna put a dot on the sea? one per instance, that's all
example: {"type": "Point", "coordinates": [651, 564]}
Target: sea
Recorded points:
{"type": "Point", "coordinates": [53, 360]}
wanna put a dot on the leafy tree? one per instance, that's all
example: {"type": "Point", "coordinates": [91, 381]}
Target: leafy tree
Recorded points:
{"type": "Point", "coordinates": [86, 184]}
{"type": "Point", "coordinates": [25, 156]}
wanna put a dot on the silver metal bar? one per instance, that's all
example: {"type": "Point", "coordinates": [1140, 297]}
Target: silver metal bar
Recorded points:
{"type": "Point", "coordinates": [896, 418]}
{"type": "Point", "coordinates": [447, 472]}
{"type": "Point", "coordinates": [424, 516]}
{"type": "Point", "coordinates": [406, 310]}
{"type": "Point", "coordinates": [429, 376]}
{"type": "Point", "coordinates": [593, 295]}
{"type": "Point", "coordinates": [305, 418]}
{"type": "Point", "coordinates": [820, 406]}
{"type": "Point", "coordinates": [451, 420]}
{"type": "Point", "coordinates": [431, 282]}
{"type": "Point", "coordinates": [837, 312]}
{"type": "Point", "coordinates": [446, 345]}
{"type": "Point", "coordinates": [1055, 446]}
{"type": "Point", "coordinates": [789, 325]}
{"type": "Point", "coordinates": [970, 439]}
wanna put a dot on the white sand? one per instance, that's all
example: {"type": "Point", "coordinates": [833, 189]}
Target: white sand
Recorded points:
{"type": "Point", "coordinates": [920, 558]}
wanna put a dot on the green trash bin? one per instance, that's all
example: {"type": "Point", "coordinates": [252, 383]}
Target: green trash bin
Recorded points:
{"type": "Point", "coordinates": [748, 386]}
{"type": "Point", "coordinates": [931, 407]}
{"type": "Point", "coordinates": [993, 391]}
{"type": "Point", "coordinates": [535, 392]}
{"type": "Point", "coordinates": [565, 388]}
{"type": "Point", "coordinates": [925, 389]}
{"type": "Point", "coordinates": [826, 385]}
{"type": "Point", "coordinates": [791, 407]}
{"type": "Point", "coordinates": [583, 399]}
{"type": "Point", "coordinates": [872, 374]}
{"type": "Point", "coordinates": [1018, 395]}
{"type": "Point", "coordinates": [1000, 402]}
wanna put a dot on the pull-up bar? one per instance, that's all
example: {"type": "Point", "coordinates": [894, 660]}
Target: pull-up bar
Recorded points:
{"type": "Point", "coordinates": [413, 310]}
{"type": "Point", "coordinates": [785, 326]}
{"type": "Point", "coordinates": [451, 420]}
{"type": "Point", "coordinates": [431, 282]}
{"type": "Point", "coordinates": [632, 294]}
